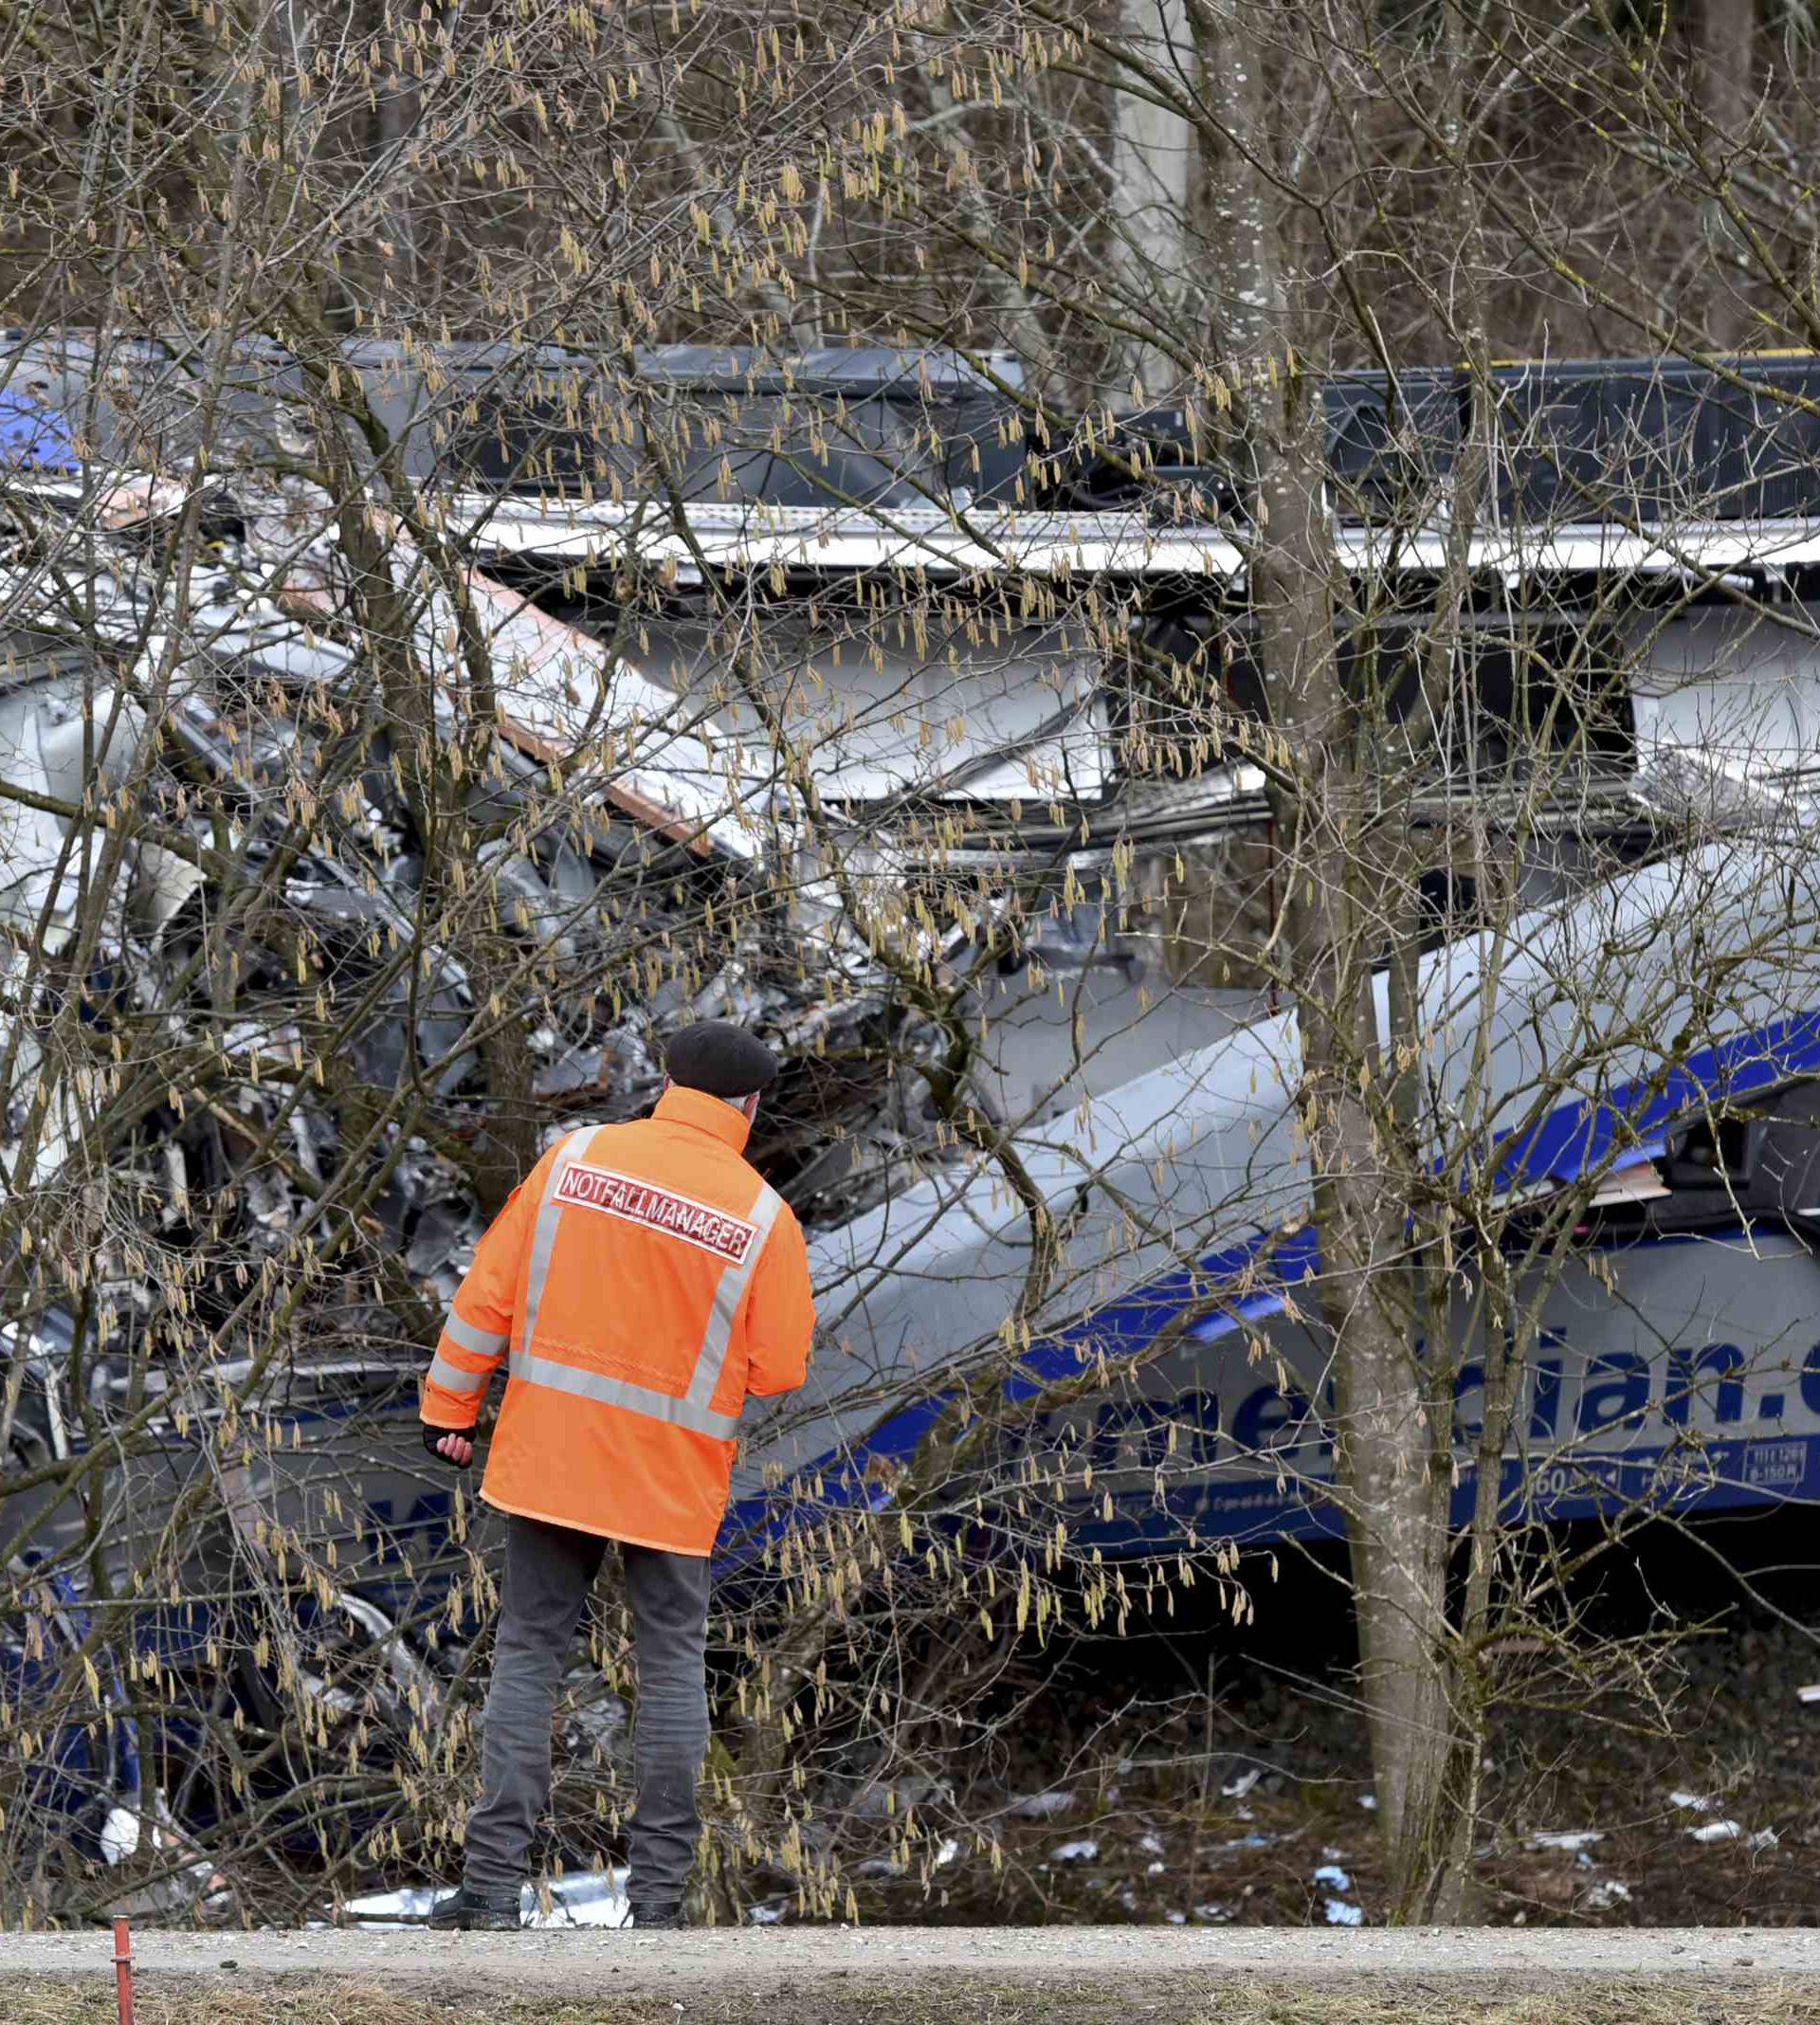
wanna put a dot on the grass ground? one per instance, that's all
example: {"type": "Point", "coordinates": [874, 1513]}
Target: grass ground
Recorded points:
{"type": "Point", "coordinates": [1340, 2000]}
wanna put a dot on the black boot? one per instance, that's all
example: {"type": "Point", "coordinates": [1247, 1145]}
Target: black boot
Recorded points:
{"type": "Point", "coordinates": [657, 1919]}
{"type": "Point", "coordinates": [471, 1911]}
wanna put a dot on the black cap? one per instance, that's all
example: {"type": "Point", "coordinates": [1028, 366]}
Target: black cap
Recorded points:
{"type": "Point", "coordinates": [722, 1059]}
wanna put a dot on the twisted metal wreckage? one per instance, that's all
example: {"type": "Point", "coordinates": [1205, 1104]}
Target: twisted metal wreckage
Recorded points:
{"type": "Point", "coordinates": [1158, 1128]}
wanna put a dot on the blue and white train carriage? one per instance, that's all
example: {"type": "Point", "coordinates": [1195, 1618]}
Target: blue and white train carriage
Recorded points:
{"type": "Point", "coordinates": [1675, 1144]}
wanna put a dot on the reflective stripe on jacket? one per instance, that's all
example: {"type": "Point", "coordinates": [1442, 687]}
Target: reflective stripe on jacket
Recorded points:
{"type": "Point", "coordinates": [645, 1282]}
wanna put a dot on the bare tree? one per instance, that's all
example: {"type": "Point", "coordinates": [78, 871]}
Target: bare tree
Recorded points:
{"type": "Point", "coordinates": [1244, 895]}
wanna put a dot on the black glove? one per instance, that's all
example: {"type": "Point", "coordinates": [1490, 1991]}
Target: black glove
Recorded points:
{"type": "Point", "coordinates": [432, 1435]}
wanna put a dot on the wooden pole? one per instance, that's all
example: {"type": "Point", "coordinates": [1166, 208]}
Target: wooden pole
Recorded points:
{"type": "Point", "coordinates": [123, 1969]}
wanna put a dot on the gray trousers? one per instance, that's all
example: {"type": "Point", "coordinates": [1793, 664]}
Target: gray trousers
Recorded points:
{"type": "Point", "coordinates": [549, 1571]}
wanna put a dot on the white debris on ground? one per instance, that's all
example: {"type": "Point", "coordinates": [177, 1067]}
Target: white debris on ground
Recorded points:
{"type": "Point", "coordinates": [119, 1835]}
{"type": "Point", "coordinates": [588, 1898]}
{"type": "Point", "coordinates": [1085, 1850]}
{"type": "Point", "coordinates": [150, 1831]}
{"type": "Point", "coordinates": [1724, 1831]}
{"type": "Point", "coordinates": [1334, 1878]}
{"type": "Point", "coordinates": [1607, 1895]}
{"type": "Point", "coordinates": [947, 1851]}
{"type": "Point", "coordinates": [1041, 1806]}
{"type": "Point", "coordinates": [1565, 1838]}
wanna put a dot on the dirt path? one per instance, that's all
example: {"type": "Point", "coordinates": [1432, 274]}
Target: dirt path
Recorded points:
{"type": "Point", "coordinates": [1142, 1968]}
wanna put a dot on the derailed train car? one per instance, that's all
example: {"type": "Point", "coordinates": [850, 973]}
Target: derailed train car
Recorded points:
{"type": "Point", "coordinates": [1675, 1358]}
{"type": "Point", "coordinates": [1173, 1351]}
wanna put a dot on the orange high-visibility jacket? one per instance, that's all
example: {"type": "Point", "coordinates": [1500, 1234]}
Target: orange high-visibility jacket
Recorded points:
{"type": "Point", "coordinates": [646, 1283]}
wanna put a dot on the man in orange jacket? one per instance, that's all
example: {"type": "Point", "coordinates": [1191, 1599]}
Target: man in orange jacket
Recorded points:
{"type": "Point", "coordinates": [645, 1282]}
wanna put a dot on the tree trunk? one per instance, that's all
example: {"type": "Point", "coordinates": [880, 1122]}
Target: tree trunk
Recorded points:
{"type": "Point", "coordinates": [1154, 153]}
{"type": "Point", "coordinates": [1727, 50]}
{"type": "Point", "coordinates": [1726, 88]}
{"type": "Point", "coordinates": [1388, 1422]}
{"type": "Point", "coordinates": [1390, 1425]}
